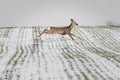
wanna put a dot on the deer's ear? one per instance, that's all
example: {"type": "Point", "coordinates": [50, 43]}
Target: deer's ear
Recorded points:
{"type": "Point", "coordinates": [71, 19]}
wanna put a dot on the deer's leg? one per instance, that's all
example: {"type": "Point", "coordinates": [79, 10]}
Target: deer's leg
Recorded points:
{"type": "Point", "coordinates": [41, 33]}
{"type": "Point", "coordinates": [71, 36]}
{"type": "Point", "coordinates": [74, 35]}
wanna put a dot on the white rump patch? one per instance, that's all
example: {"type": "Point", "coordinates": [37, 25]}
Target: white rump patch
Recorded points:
{"type": "Point", "coordinates": [48, 28]}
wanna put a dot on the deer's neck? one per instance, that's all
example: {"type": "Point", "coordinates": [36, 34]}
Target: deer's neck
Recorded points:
{"type": "Point", "coordinates": [70, 26]}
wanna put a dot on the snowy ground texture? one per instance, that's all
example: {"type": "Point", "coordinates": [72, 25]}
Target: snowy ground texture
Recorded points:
{"type": "Point", "coordinates": [95, 56]}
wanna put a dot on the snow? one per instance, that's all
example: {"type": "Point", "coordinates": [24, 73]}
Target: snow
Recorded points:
{"type": "Point", "coordinates": [95, 56]}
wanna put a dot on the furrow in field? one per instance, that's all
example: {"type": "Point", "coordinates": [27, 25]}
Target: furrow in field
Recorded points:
{"type": "Point", "coordinates": [70, 55]}
{"type": "Point", "coordinates": [87, 63]}
{"type": "Point", "coordinates": [36, 53]}
{"type": "Point", "coordinates": [55, 59]}
{"type": "Point", "coordinates": [29, 69]}
{"type": "Point", "coordinates": [18, 52]}
{"type": "Point", "coordinates": [33, 62]}
{"type": "Point", "coordinates": [4, 43]}
{"type": "Point", "coordinates": [65, 64]}
{"type": "Point", "coordinates": [47, 59]}
{"type": "Point", "coordinates": [97, 65]}
{"type": "Point", "coordinates": [86, 45]}
{"type": "Point", "coordinates": [27, 45]}
{"type": "Point", "coordinates": [110, 70]}
{"type": "Point", "coordinates": [93, 56]}
{"type": "Point", "coordinates": [70, 64]}
{"type": "Point", "coordinates": [93, 45]}
{"type": "Point", "coordinates": [110, 53]}
{"type": "Point", "coordinates": [67, 56]}
{"type": "Point", "coordinates": [18, 44]}
{"type": "Point", "coordinates": [1, 47]}
{"type": "Point", "coordinates": [23, 48]}
{"type": "Point", "coordinates": [58, 66]}
{"type": "Point", "coordinates": [4, 40]}
{"type": "Point", "coordinates": [91, 61]}
{"type": "Point", "coordinates": [106, 39]}
{"type": "Point", "coordinates": [4, 48]}
{"type": "Point", "coordinates": [115, 39]}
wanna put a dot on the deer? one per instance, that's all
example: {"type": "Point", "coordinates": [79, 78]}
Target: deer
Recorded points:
{"type": "Point", "coordinates": [61, 30]}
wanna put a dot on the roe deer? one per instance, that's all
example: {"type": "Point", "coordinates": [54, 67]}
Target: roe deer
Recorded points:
{"type": "Point", "coordinates": [61, 30]}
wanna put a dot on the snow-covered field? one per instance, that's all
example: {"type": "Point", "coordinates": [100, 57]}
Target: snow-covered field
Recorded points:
{"type": "Point", "coordinates": [95, 56]}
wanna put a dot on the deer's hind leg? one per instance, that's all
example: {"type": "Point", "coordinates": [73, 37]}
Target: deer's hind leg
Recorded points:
{"type": "Point", "coordinates": [41, 33]}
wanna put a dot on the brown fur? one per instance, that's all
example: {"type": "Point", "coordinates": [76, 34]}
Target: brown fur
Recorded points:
{"type": "Point", "coordinates": [61, 30]}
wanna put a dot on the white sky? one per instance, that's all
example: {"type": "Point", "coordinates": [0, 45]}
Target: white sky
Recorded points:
{"type": "Point", "coordinates": [58, 12]}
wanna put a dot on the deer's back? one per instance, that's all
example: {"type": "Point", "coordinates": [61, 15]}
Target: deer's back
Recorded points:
{"type": "Point", "coordinates": [60, 30]}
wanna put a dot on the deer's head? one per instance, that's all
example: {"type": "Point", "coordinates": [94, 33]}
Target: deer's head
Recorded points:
{"type": "Point", "coordinates": [73, 23]}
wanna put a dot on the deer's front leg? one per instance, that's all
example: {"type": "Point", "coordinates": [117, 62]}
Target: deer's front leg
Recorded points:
{"type": "Point", "coordinates": [74, 35]}
{"type": "Point", "coordinates": [71, 36]}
